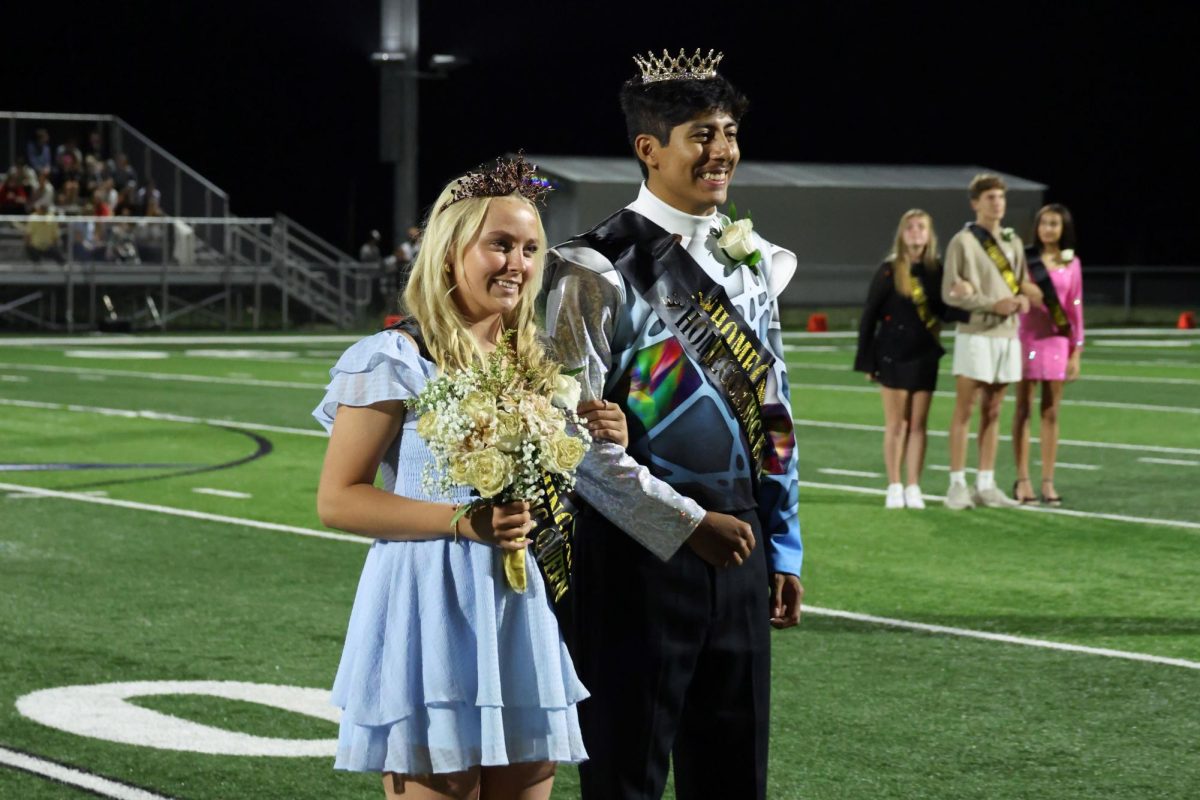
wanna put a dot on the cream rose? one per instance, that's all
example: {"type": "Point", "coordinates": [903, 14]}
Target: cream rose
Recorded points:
{"type": "Point", "coordinates": [563, 453]}
{"type": "Point", "coordinates": [488, 471]}
{"type": "Point", "coordinates": [510, 431]}
{"type": "Point", "coordinates": [458, 468]}
{"type": "Point", "coordinates": [428, 426]}
{"type": "Point", "coordinates": [480, 408]}
{"type": "Point", "coordinates": [566, 391]}
{"type": "Point", "coordinates": [1067, 256]}
{"type": "Point", "coordinates": [737, 240]}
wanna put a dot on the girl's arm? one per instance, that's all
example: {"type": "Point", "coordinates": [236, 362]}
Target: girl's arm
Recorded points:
{"type": "Point", "coordinates": [348, 500]}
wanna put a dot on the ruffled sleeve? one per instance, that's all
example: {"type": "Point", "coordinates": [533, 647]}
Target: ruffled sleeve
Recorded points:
{"type": "Point", "coordinates": [385, 366]}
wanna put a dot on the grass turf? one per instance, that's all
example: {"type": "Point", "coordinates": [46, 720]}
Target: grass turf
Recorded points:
{"type": "Point", "coordinates": [95, 593]}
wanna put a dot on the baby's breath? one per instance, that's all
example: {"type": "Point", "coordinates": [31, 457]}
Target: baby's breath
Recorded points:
{"type": "Point", "coordinates": [460, 428]}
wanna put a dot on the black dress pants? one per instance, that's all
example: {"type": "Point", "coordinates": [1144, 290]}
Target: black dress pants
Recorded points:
{"type": "Point", "coordinates": [676, 656]}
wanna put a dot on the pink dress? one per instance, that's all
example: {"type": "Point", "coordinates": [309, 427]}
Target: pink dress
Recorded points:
{"type": "Point", "coordinates": [1045, 351]}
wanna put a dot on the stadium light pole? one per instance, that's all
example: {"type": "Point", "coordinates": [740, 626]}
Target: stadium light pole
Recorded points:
{"type": "Point", "coordinates": [399, 37]}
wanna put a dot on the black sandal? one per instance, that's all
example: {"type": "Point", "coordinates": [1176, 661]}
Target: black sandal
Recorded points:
{"type": "Point", "coordinates": [1025, 501]}
{"type": "Point", "coordinates": [1055, 501]}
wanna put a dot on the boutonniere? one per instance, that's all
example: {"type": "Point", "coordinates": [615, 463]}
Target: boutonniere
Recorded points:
{"type": "Point", "coordinates": [1007, 234]}
{"type": "Point", "coordinates": [736, 240]}
{"type": "Point", "coordinates": [1066, 256]}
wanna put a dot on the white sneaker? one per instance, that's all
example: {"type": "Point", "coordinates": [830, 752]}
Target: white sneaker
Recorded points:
{"type": "Point", "coordinates": [912, 496]}
{"type": "Point", "coordinates": [993, 498]}
{"type": "Point", "coordinates": [895, 496]}
{"type": "Point", "coordinates": [958, 497]}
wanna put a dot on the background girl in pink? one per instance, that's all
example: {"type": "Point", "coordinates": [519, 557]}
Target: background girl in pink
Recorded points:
{"type": "Point", "coordinates": [1052, 341]}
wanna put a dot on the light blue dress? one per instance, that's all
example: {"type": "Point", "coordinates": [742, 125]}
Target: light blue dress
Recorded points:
{"type": "Point", "coordinates": [444, 666]}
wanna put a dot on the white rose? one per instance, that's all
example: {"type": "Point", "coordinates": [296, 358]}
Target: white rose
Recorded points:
{"type": "Point", "coordinates": [566, 391]}
{"type": "Point", "coordinates": [737, 240]}
{"type": "Point", "coordinates": [1067, 256]}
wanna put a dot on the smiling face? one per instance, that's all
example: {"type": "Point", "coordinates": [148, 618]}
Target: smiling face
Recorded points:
{"type": "Point", "coordinates": [692, 171]}
{"type": "Point", "coordinates": [497, 264]}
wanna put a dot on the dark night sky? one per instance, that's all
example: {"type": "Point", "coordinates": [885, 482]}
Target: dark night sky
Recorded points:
{"type": "Point", "coordinates": [277, 103]}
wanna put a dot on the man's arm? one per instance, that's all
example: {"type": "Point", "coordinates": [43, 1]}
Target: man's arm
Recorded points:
{"type": "Point", "coordinates": [779, 487]}
{"type": "Point", "coordinates": [581, 311]}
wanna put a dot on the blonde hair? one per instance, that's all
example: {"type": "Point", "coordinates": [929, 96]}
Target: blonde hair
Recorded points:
{"type": "Point", "coordinates": [901, 268]}
{"type": "Point", "coordinates": [429, 295]}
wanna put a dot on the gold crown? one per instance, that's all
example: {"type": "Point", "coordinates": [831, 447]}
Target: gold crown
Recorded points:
{"type": "Point", "coordinates": [678, 68]}
{"type": "Point", "coordinates": [508, 176]}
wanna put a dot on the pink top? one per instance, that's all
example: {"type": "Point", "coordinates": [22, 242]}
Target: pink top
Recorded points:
{"type": "Point", "coordinates": [1045, 351]}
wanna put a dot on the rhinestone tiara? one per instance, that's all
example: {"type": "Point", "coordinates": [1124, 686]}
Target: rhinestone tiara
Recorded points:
{"type": "Point", "coordinates": [508, 176]}
{"type": "Point", "coordinates": [695, 67]}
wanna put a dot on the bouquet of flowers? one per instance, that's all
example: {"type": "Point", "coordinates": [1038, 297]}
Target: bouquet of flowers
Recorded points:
{"type": "Point", "coordinates": [499, 428]}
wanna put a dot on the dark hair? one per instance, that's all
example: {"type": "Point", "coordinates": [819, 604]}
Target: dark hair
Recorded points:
{"type": "Point", "coordinates": [985, 182]}
{"type": "Point", "coordinates": [1067, 240]}
{"type": "Point", "coordinates": [656, 108]}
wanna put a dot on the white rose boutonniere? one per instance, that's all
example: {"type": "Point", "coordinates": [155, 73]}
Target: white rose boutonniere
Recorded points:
{"type": "Point", "coordinates": [566, 390]}
{"type": "Point", "coordinates": [1007, 234]}
{"type": "Point", "coordinates": [736, 241]}
{"type": "Point", "coordinates": [1067, 256]}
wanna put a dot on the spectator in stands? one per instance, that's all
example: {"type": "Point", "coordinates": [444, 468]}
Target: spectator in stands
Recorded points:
{"type": "Point", "coordinates": [122, 171]}
{"type": "Point", "coordinates": [37, 150]}
{"type": "Point", "coordinates": [28, 174]}
{"type": "Point", "coordinates": [14, 199]}
{"type": "Point", "coordinates": [127, 200]}
{"type": "Point", "coordinates": [122, 241]}
{"type": "Point", "coordinates": [68, 198]}
{"type": "Point", "coordinates": [95, 174]}
{"type": "Point", "coordinates": [68, 153]}
{"type": "Point", "coordinates": [68, 170]}
{"type": "Point", "coordinates": [1051, 342]}
{"type": "Point", "coordinates": [95, 146]}
{"type": "Point", "coordinates": [147, 195]}
{"type": "Point", "coordinates": [899, 348]}
{"type": "Point", "coordinates": [151, 237]}
{"type": "Point", "coordinates": [43, 191]}
{"type": "Point", "coordinates": [370, 253]}
{"type": "Point", "coordinates": [41, 235]}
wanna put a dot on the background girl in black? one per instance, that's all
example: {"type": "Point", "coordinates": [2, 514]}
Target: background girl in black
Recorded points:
{"type": "Point", "coordinates": [898, 348]}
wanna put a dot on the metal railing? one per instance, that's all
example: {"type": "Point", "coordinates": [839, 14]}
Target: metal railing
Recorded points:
{"type": "Point", "coordinates": [58, 254]}
{"type": "Point", "coordinates": [1142, 286]}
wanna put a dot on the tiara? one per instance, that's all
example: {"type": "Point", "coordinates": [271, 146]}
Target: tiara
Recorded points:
{"type": "Point", "coordinates": [508, 176]}
{"type": "Point", "coordinates": [677, 68]}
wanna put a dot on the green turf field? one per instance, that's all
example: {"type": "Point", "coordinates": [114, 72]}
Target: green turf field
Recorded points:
{"type": "Point", "coordinates": [170, 535]}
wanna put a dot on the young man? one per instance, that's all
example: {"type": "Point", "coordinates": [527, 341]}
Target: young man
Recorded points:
{"type": "Point", "coordinates": [690, 550]}
{"type": "Point", "coordinates": [985, 274]}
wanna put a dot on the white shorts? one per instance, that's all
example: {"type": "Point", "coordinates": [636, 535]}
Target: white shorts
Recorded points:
{"type": "Point", "coordinates": [988, 359]}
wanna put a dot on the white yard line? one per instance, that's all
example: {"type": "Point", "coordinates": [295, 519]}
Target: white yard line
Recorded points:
{"type": "Point", "coordinates": [1065, 512]}
{"type": "Point", "coordinates": [1177, 462]}
{"type": "Point", "coordinates": [75, 777]}
{"type": "Point", "coordinates": [853, 473]}
{"type": "Point", "coordinates": [842, 387]}
{"type": "Point", "coordinates": [160, 417]}
{"type": "Point", "coordinates": [162, 376]}
{"type": "Point", "coordinates": [14, 378]}
{"type": "Point", "coordinates": [1086, 377]}
{"type": "Point", "coordinates": [186, 512]}
{"type": "Point", "coordinates": [222, 493]}
{"type": "Point", "coordinates": [1141, 448]}
{"type": "Point", "coordinates": [1000, 637]}
{"type": "Point", "coordinates": [1041, 643]}
{"type": "Point", "coordinates": [1069, 465]}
